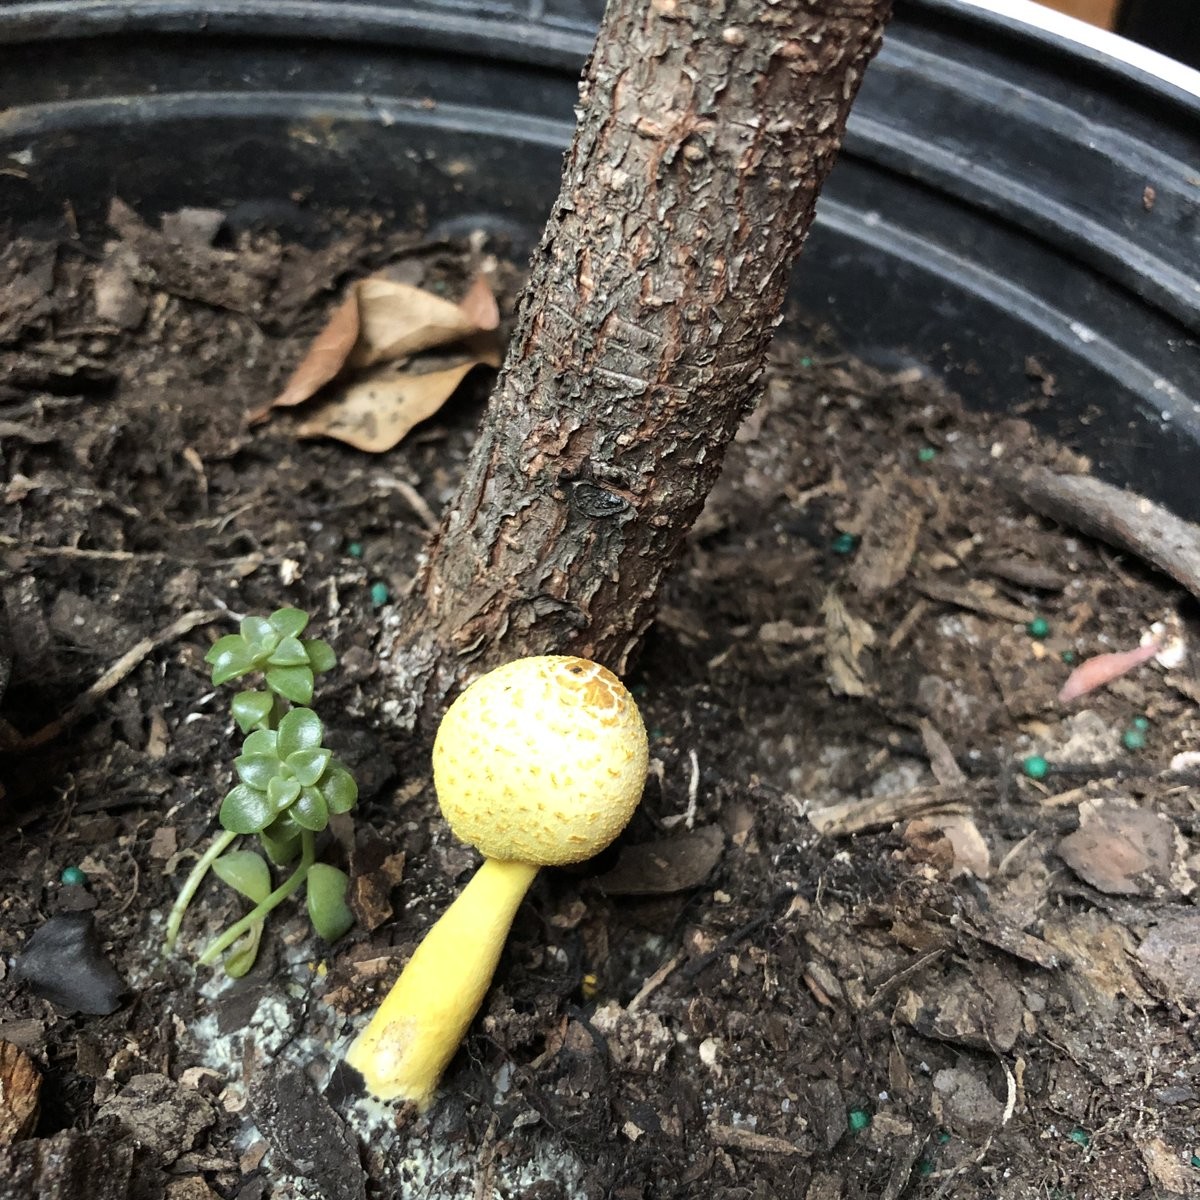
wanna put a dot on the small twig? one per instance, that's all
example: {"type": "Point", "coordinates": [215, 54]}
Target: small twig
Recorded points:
{"type": "Point", "coordinates": [113, 676]}
{"type": "Point", "coordinates": [738, 935]}
{"type": "Point", "coordinates": [1120, 518]}
{"type": "Point", "coordinates": [413, 499]}
{"type": "Point", "coordinates": [653, 983]}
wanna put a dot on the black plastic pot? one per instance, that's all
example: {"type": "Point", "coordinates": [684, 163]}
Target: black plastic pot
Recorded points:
{"type": "Point", "coordinates": [1007, 192]}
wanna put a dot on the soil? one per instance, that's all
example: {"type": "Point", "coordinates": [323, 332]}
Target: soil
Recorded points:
{"type": "Point", "coordinates": [961, 982]}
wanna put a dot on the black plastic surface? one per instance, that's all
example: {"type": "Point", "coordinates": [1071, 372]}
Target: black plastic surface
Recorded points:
{"type": "Point", "coordinates": [1002, 194]}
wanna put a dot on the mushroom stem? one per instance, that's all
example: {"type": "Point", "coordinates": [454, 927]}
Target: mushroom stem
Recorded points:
{"type": "Point", "coordinates": [409, 1042]}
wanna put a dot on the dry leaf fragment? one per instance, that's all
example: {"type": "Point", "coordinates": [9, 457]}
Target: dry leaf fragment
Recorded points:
{"type": "Point", "coordinates": [381, 321]}
{"type": "Point", "coordinates": [397, 319]}
{"type": "Point", "coordinates": [325, 358]}
{"type": "Point", "coordinates": [375, 414]}
{"type": "Point", "coordinates": [847, 637]}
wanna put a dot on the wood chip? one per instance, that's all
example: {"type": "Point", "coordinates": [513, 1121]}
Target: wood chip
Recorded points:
{"type": "Point", "coordinates": [881, 812]}
{"type": "Point", "coordinates": [736, 1138]}
{"type": "Point", "coordinates": [891, 518]}
{"type": "Point", "coordinates": [941, 758]}
{"type": "Point", "coordinates": [976, 598]}
{"type": "Point", "coordinates": [20, 1087]}
{"type": "Point", "coordinates": [1124, 850]}
{"type": "Point", "coordinates": [847, 638]}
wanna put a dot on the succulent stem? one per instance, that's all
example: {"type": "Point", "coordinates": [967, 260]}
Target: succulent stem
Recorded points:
{"type": "Point", "coordinates": [409, 1042]}
{"type": "Point", "coordinates": [216, 848]}
{"type": "Point", "coordinates": [258, 912]}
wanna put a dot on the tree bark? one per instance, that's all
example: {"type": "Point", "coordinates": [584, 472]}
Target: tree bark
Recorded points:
{"type": "Point", "coordinates": [706, 129]}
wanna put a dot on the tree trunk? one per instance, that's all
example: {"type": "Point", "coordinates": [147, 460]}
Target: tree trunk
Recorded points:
{"type": "Point", "coordinates": [706, 130]}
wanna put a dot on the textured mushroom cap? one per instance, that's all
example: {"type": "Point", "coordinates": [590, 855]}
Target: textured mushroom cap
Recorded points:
{"type": "Point", "coordinates": [541, 761]}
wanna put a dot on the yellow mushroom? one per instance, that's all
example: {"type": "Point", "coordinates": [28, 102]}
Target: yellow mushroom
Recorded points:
{"type": "Point", "coordinates": [539, 763]}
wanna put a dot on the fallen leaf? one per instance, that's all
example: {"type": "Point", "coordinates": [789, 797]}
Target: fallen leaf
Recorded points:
{"type": "Point", "coordinates": [376, 413]}
{"type": "Point", "coordinates": [325, 358]}
{"type": "Point", "coordinates": [382, 320]}
{"type": "Point", "coordinates": [479, 306]}
{"type": "Point", "coordinates": [397, 319]}
{"type": "Point", "coordinates": [847, 637]}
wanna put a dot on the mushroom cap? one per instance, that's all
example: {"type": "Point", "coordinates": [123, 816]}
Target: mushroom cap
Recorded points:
{"type": "Point", "coordinates": [541, 761]}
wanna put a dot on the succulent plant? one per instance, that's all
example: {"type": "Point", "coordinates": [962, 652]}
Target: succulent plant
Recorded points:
{"type": "Point", "coordinates": [289, 784]}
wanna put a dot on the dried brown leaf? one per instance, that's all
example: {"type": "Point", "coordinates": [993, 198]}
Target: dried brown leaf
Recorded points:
{"type": "Point", "coordinates": [380, 321]}
{"type": "Point", "coordinates": [479, 306]}
{"type": "Point", "coordinates": [397, 320]}
{"type": "Point", "coordinates": [376, 413]}
{"type": "Point", "coordinates": [325, 358]}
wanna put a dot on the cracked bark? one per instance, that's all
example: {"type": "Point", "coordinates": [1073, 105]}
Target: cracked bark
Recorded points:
{"type": "Point", "coordinates": [705, 133]}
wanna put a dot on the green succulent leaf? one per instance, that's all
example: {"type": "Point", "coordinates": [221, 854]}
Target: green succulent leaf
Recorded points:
{"type": "Point", "coordinates": [289, 653]}
{"type": "Point", "coordinates": [288, 622]}
{"type": "Point", "coordinates": [257, 770]}
{"type": "Point", "coordinates": [320, 655]}
{"type": "Point", "coordinates": [292, 683]}
{"type": "Point", "coordinates": [246, 872]}
{"type": "Point", "coordinates": [246, 810]}
{"type": "Point", "coordinates": [310, 810]}
{"type": "Point", "coordinates": [327, 908]}
{"type": "Point", "coordinates": [309, 765]}
{"type": "Point", "coordinates": [252, 710]}
{"type": "Point", "coordinates": [338, 788]}
{"type": "Point", "coordinates": [301, 729]}
{"type": "Point", "coordinates": [281, 839]}
{"type": "Point", "coordinates": [255, 630]}
{"type": "Point", "coordinates": [262, 741]}
{"type": "Point", "coordinates": [281, 793]}
{"type": "Point", "coordinates": [229, 657]}
{"type": "Point", "coordinates": [239, 958]}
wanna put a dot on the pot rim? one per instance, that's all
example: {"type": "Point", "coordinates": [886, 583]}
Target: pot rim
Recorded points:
{"type": "Point", "coordinates": [565, 40]}
{"type": "Point", "coordinates": [1054, 27]}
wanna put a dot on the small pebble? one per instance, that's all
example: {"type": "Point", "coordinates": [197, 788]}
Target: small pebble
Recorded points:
{"type": "Point", "coordinates": [73, 877]}
{"type": "Point", "coordinates": [379, 594]}
{"type": "Point", "coordinates": [844, 543]}
{"type": "Point", "coordinates": [859, 1120]}
{"type": "Point", "coordinates": [1080, 1137]}
{"type": "Point", "coordinates": [926, 454]}
{"type": "Point", "coordinates": [1035, 766]}
{"type": "Point", "coordinates": [355, 549]}
{"type": "Point", "coordinates": [1039, 628]}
